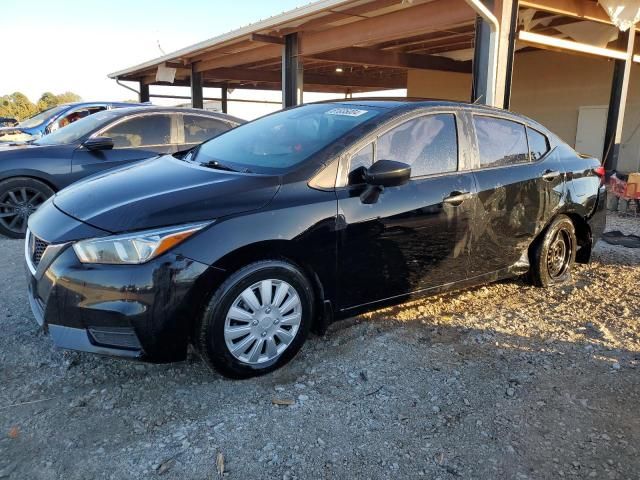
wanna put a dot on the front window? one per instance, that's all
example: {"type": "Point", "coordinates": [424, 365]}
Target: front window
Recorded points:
{"type": "Point", "coordinates": [429, 144]}
{"type": "Point", "coordinates": [278, 142]}
{"type": "Point", "coordinates": [142, 131]}
{"type": "Point", "coordinates": [42, 117]}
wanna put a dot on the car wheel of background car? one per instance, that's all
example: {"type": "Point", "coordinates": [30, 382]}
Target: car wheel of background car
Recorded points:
{"type": "Point", "coordinates": [554, 253]}
{"type": "Point", "coordinates": [19, 198]}
{"type": "Point", "coordinates": [257, 320]}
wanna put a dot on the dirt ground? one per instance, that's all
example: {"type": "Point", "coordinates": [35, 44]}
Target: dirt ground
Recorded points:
{"type": "Point", "coordinates": [504, 381]}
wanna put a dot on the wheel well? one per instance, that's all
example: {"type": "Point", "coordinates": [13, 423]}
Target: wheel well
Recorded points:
{"type": "Point", "coordinates": [30, 177]}
{"type": "Point", "coordinates": [583, 237]}
{"type": "Point", "coordinates": [277, 250]}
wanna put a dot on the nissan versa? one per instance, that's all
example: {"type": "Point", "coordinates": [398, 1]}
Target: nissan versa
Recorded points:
{"type": "Point", "coordinates": [243, 244]}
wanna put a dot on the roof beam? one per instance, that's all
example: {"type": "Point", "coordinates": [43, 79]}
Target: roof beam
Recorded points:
{"type": "Point", "coordinates": [344, 80]}
{"type": "Point", "coordinates": [256, 37]}
{"type": "Point", "coordinates": [561, 45]}
{"type": "Point", "coordinates": [572, 8]}
{"type": "Point", "coordinates": [422, 18]}
{"type": "Point", "coordinates": [239, 58]}
{"type": "Point", "coordinates": [385, 58]}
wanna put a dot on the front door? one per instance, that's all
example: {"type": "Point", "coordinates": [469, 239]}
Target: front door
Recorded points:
{"type": "Point", "coordinates": [136, 138]}
{"type": "Point", "coordinates": [415, 236]}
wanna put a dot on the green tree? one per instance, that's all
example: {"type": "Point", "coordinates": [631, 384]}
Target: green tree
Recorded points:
{"type": "Point", "coordinates": [68, 97]}
{"type": "Point", "coordinates": [17, 106]}
{"type": "Point", "coordinates": [47, 101]}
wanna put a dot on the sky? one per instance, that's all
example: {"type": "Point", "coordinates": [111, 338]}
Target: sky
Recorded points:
{"type": "Point", "coordinates": [72, 45]}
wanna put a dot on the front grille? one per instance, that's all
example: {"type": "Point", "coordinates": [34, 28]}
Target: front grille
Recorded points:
{"type": "Point", "coordinates": [37, 248]}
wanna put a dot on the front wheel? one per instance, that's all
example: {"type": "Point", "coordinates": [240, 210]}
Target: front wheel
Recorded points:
{"type": "Point", "coordinates": [257, 320]}
{"type": "Point", "coordinates": [554, 253]}
{"type": "Point", "coordinates": [19, 198]}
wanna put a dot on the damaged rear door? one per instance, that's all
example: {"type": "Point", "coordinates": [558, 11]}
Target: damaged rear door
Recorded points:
{"type": "Point", "coordinates": [520, 187]}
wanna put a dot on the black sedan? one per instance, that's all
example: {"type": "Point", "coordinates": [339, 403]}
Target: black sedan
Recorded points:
{"type": "Point", "coordinates": [31, 173]}
{"type": "Point", "coordinates": [244, 244]}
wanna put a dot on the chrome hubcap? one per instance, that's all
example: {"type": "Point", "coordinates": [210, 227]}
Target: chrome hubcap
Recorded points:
{"type": "Point", "coordinates": [17, 205]}
{"type": "Point", "coordinates": [559, 254]}
{"type": "Point", "coordinates": [263, 321]}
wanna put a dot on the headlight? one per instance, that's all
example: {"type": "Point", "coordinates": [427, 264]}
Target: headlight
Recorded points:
{"type": "Point", "coordinates": [134, 248]}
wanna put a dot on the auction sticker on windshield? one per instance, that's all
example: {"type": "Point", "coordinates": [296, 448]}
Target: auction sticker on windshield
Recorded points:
{"type": "Point", "coordinates": [347, 112]}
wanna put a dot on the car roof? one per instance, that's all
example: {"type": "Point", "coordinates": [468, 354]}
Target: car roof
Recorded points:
{"type": "Point", "coordinates": [408, 103]}
{"type": "Point", "coordinates": [97, 102]}
{"type": "Point", "coordinates": [125, 111]}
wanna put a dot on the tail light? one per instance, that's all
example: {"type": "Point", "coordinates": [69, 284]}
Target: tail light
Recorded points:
{"type": "Point", "coordinates": [600, 172]}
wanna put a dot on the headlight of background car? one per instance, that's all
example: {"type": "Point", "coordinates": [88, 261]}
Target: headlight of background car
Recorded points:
{"type": "Point", "coordinates": [134, 248]}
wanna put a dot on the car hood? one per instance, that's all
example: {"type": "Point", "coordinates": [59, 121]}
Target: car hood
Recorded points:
{"type": "Point", "coordinates": [32, 150]}
{"type": "Point", "coordinates": [163, 191]}
{"type": "Point", "coordinates": [14, 134]}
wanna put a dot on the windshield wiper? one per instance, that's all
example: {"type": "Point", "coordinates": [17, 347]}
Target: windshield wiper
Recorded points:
{"type": "Point", "coordinates": [221, 166]}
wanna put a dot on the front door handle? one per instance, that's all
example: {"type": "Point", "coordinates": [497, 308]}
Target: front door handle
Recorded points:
{"type": "Point", "coordinates": [457, 198]}
{"type": "Point", "coordinates": [550, 175]}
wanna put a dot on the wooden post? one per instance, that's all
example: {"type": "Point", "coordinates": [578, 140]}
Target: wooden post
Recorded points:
{"type": "Point", "coordinates": [143, 95]}
{"type": "Point", "coordinates": [292, 72]}
{"type": "Point", "coordinates": [617, 103]}
{"type": "Point", "coordinates": [196, 88]}
{"type": "Point", "coordinates": [224, 103]}
{"type": "Point", "coordinates": [482, 59]}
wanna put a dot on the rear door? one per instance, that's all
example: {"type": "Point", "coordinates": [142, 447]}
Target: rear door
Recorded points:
{"type": "Point", "coordinates": [135, 138]}
{"type": "Point", "coordinates": [520, 183]}
{"type": "Point", "coordinates": [200, 128]}
{"type": "Point", "coordinates": [416, 236]}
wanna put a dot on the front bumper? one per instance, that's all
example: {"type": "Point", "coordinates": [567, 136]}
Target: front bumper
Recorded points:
{"type": "Point", "coordinates": [134, 311]}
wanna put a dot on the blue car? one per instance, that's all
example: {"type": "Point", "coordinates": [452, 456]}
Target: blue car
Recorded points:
{"type": "Point", "coordinates": [32, 172]}
{"type": "Point", "coordinates": [53, 119]}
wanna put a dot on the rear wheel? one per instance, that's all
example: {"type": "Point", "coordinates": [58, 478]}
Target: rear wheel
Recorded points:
{"type": "Point", "coordinates": [19, 198]}
{"type": "Point", "coordinates": [257, 320]}
{"type": "Point", "coordinates": [554, 253]}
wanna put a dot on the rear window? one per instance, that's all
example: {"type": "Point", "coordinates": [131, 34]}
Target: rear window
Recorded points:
{"type": "Point", "coordinates": [198, 129]}
{"type": "Point", "coordinates": [278, 142]}
{"type": "Point", "coordinates": [538, 144]}
{"type": "Point", "coordinates": [501, 142]}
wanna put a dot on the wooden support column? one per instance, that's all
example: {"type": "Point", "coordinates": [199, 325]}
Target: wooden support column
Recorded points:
{"type": "Point", "coordinates": [481, 58]}
{"type": "Point", "coordinates": [292, 72]}
{"type": "Point", "coordinates": [144, 92]}
{"type": "Point", "coordinates": [197, 95]}
{"type": "Point", "coordinates": [224, 102]}
{"type": "Point", "coordinates": [617, 102]}
{"type": "Point", "coordinates": [507, 13]}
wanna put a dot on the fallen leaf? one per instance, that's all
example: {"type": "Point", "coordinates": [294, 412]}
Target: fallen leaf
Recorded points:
{"type": "Point", "coordinates": [14, 432]}
{"type": "Point", "coordinates": [283, 401]}
{"type": "Point", "coordinates": [165, 466]}
{"type": "Point", "coordinates": [220, 463]}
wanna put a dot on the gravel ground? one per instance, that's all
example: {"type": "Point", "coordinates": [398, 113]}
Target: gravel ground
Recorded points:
{"type": "Point", "coordinates": [504, 381]}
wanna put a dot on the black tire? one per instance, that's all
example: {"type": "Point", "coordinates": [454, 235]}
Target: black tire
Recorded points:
{"type": "Point", "coordinates": [210, 333]}
{"type": "Point", "coordinates": [553, 254]}
{"type": "Point", "coordinates": [19, 198]}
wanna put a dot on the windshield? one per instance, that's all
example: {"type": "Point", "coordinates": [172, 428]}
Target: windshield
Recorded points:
{"type": "Point", "coordinates": [42, 117]}
{"type": "Point", "coordinates": [77, 130]}
{"type": "Point", "coordinates": [275, 143]}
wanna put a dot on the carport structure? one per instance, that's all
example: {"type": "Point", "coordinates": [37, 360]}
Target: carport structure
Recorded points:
{"type": "Point", "coordinates": [354, 46]}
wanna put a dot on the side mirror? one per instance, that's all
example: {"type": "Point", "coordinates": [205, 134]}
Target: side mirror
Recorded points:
{"type": "Point", "coordinates": [98, 143]}
{"type": "Point", "coordinates": [387, 173]}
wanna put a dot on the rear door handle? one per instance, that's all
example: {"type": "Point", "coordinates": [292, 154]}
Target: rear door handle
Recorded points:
{"type": "Point", "coordinates": [457, 198]}
{"type": "Point", "coordinates": [550, 175]}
